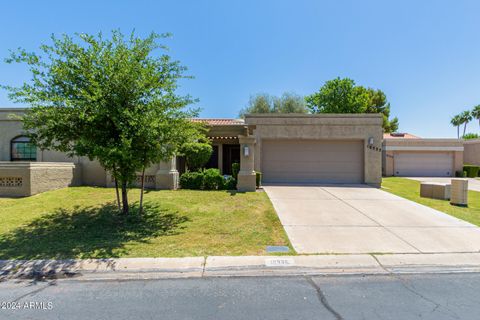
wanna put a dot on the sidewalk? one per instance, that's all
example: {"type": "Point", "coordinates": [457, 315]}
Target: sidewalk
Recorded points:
{"type": "Point", "coordinates": [226, 266]}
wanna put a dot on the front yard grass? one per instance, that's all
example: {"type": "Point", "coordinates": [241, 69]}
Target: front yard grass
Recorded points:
{"type": "Point", "coordinates": [410, 189]}
{"type": "Point", "coordinates": [81, 222]}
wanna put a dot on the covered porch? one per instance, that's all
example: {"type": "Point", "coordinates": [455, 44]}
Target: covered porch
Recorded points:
{"type": "Point", "coordinates": [231, 143]}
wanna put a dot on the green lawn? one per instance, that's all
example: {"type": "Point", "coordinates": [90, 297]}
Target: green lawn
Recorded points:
{"type": "Point", "coordinates": [81, 222]}
{"type": "Point", "coordinates": [410, 189]}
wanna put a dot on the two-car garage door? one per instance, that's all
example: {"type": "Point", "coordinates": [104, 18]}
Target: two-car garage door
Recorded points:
{"type": "Point", "coordinates": [423, 164]}
{"type": "Point", "coordinates": [312, 161]}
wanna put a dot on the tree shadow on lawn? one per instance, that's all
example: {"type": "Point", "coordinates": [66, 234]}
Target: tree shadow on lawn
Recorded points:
{"type": "Point", "coordinates": [91, 232]}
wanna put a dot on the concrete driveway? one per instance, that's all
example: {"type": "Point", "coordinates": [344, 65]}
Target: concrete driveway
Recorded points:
{"type": "Point", "coordinates": [361, 219]}
{"type": "Point", "coordinates": [473, 184]}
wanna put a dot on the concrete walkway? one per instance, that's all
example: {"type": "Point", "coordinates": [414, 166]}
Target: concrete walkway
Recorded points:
{"type": "Point", "coordinates": [353, 219]}
{"type": "Point", "coordinates": [473, 184]}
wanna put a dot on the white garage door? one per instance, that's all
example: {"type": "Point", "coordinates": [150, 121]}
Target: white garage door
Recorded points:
{"type": "Point", "coordinates": [427, 164]}
{"type": "Point", "coordinates": [312, 161]}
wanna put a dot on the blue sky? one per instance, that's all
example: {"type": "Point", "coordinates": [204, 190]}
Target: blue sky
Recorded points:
{"type": "Point", "coordinates": [425, 55]}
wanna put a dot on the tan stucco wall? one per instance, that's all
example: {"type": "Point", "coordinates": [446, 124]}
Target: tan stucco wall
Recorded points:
{"type": "Point", "coordinates": [36, 177]}
{"type": "Point", "coordinates": [11, 127]}
{"type": "Point", "coordinates": [391, 147]}
{"type": "Point", "coordinates": [471, 153]}
{"type": "Point", "coordinates": [327, 126]}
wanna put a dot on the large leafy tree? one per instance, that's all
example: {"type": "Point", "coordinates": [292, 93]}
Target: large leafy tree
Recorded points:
{"type": "Point", "coordinates": [110, 99]}
{"type": "Point", "coordinates": [265, 103]}
{"type": "Point", "coordinates": [344, 96]}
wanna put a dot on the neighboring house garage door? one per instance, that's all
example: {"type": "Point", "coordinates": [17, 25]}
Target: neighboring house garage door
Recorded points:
{"type": "Point", "coordinates": [312, 161]}
{"type": "Point", "coordinates": [426, 164]}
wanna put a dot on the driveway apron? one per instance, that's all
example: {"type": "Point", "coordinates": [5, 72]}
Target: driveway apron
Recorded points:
{"type": "Point", "coordinates": [361, 219]}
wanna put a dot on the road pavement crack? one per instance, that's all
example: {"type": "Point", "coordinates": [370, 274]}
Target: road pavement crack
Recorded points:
{"type": "Point", "coordinates": [437, 306]}
{"type": "Point", "coordinates": [323, 299]}
{"type": "Point", "coordinates": [31, 293]}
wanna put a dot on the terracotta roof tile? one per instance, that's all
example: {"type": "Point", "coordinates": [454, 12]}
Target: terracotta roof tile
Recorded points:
{"type": "Point", "coordinates": [220, 122]}
{"type": "Point", "coordinates": [399, 135]}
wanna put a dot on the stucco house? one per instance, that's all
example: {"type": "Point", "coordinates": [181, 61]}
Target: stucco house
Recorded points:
{"type": "Point", "coordinates": [286, 148]}
{"type": "Point", "coordinates": [407, 155]}
{"type": "Point", "coordinates": [293, 148]}
{"type": "Point", "coordinates": [471, 153]}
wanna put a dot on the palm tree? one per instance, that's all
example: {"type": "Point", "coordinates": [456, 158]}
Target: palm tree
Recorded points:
{"type": "Point", "coordinates": [476, 113]}
{"type": "Point", "coordinates": [457, 122]}
{"type": "Point", "coordinates": [466, 117]}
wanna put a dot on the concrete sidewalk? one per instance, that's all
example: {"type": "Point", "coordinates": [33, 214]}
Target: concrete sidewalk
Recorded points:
{"type": "Point", "coordinates": [227, 266]}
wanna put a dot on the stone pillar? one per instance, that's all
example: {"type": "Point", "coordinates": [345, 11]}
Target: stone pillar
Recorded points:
{"type": "Point", "coordinates": [167, 176]}
{"type": "Point", "coordinates": [459, 192]}
{"type": "Point", "coordinates": [246, 176]}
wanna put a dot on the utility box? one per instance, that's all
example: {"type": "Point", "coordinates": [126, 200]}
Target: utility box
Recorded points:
{"type": "Point", "coordinates": [459, 192]}
{"type": "Point", "coordinates": [435, 190]}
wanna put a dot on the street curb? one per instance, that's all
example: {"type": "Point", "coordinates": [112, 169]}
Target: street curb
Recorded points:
{"type": "Point", "coordinates": [238, 266]}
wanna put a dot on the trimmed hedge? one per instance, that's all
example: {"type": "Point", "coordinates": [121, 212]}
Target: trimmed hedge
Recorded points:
{"type": "Point", "coordinates": [471, 170]}
{"type": "Point", "coordinates": [212, 179]}
{"type": "Point", "coordinates": [230, 183]}
{"type": "Point", "coordinates": [461, 174]}
{"type": "Point", "coordinates": [209, 179]}
{"type": "Point", "coordinates": [258, 178]}
{"type": "Point", "coordinates": [192, 180]}
{"type": "Point", "coordinates": [235, 170]}
{"type": "Point", "coordinates": [196, 154]}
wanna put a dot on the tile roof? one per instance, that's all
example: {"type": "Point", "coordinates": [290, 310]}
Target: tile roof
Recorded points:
{"type": "Point", "coordinates": [220, 122]}
{"type": "Point", "coordinates": [399, 135]}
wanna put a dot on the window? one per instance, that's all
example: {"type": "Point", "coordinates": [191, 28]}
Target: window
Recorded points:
{"type": "Point", "coordinates": [22, 149]}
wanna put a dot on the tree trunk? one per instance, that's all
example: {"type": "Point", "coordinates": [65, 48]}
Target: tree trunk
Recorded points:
{"type": "Point", "coordinates": [124, 198]}
{"type": "Point", "coordinates": [465, 128]}
{"type": "Point", "coordinates": [458, 132]}
{"type": "Point", "coordinates": [142, 187]}
{"type": "Point", "coordinates": [116, 190]}
{"type": "Point", "coordinates": [118, 196]}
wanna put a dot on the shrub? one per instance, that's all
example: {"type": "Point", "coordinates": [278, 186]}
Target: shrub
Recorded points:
{"type": "Point", "coordinates": [212, 179]}
{"type": "Point", "coordinates": [230, 183]}
{"type": "Point", "coordinates": [196, 154]}
{"type": "Point", "coordinates": [191, 180]}
{"type": "Point", "coordinates": [258, 178]}
{"type": "Point", "coordinates": [472, 171]}
{"type": "Point", "coordinates": [235, 170]}
{"type": "Point", "coordinates": [470, 136]}
{"type": "Point", "coordinates": [460, 174]}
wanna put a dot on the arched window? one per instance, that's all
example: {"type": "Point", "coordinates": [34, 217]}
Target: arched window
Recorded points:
{"type": "Point", "coordinates": [21, 149]}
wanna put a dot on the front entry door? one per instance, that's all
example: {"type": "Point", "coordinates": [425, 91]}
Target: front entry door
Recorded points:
{"type": "Point", "coordinates": [231, 154]}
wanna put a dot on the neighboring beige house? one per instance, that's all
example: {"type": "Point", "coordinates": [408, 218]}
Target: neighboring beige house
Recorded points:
{"type": "Point", "coordinates": [287, 149]}
{"type": "Point", "coordinates": [408, 155]}
{"type": "Point", "coordinates": [471, 153]}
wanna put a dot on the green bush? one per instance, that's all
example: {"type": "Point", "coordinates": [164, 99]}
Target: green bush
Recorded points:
{"type": "Point", "coordinates": [460, 174]}
{"type": "Point", "coordinates": [212, 179]}
{"type": "Point", "coordinates": [196, 154]}
{"type": "Point", "coordinates": [191, 180]}
{"type": "Point", "coordinates": [470, 136]}
{"type": "Point", "coordinates": [230, 183]}
{"type": "Point", "coordinates": [258, 178]}
{"type": "Point", "coordinates": [235, 170]}
{"type": "Point", "coordinates": [472, 171]}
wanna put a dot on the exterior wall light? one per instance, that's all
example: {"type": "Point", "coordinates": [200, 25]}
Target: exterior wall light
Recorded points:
{"type": "Point", "coordinates": [246, 151]}
{"type": "Point", "coordinates": [370, 141]}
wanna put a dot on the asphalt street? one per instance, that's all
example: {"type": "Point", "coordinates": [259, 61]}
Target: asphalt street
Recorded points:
{"type": "Point", "coordinates": [441, 296]}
